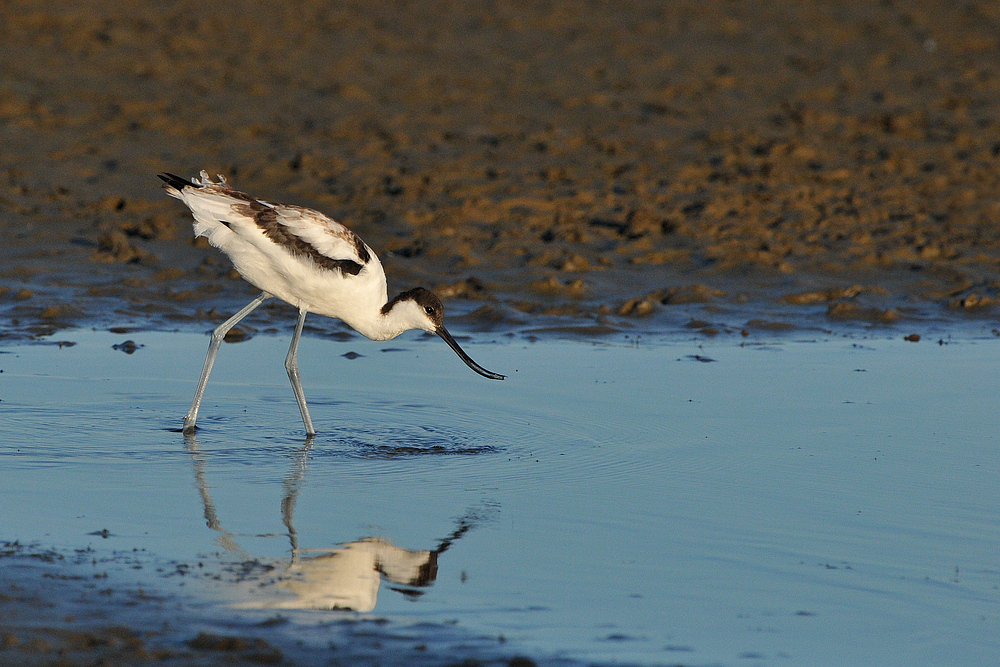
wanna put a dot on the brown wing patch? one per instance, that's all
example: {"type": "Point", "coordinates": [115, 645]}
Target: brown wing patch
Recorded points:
{"type": "Point", "coordinates": [267, 219]}
{"type": "Point", "coordinates": [343, 233]}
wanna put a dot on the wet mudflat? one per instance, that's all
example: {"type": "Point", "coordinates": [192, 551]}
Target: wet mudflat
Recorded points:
{"type": "Point", "coordinates": [542, 161]}
{"type": "Point", "coordinates": [820, 501]}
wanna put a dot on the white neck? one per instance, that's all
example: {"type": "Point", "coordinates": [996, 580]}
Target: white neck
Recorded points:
{"type": "Point", "coordinates": [404, 316]}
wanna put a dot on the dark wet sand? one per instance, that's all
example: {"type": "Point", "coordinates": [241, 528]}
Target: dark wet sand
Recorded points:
{"type": "Point", "coordinates": [591, 165]}
{"type": "Point", "coordinates": [543, 166]}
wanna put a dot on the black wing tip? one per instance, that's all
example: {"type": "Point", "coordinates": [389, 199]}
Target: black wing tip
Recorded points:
{"type": "Point", "coordinates": [176, 182]}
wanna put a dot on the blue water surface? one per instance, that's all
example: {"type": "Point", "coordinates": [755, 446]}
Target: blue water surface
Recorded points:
{"type": "Point", "coordinates": [827, 501]}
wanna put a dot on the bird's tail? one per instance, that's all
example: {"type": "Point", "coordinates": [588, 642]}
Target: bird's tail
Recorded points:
{"type": "Point", "coordinates": [175, 184]}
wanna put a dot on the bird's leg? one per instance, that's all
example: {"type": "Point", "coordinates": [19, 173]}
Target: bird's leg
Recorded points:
{"type": "Point", "coordinates": [292, 366]}
{"type": "Point", "coordinates": [213, 349]}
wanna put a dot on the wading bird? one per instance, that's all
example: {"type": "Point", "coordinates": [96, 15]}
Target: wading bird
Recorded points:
{"type": "Point", "coordinates": [309, 261]}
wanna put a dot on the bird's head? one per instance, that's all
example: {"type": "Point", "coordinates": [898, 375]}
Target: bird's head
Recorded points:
{"type": "Point", "coordinates": [420, 308]}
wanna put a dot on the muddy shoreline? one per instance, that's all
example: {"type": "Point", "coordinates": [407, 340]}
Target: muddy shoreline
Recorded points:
{"type": "Point", "coordinates": [814, 164]}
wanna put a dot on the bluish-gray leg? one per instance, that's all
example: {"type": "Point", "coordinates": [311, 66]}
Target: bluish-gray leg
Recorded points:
{"type": "Point", "coordinates": [213, 349]}
{"type": "Point", "coordinates": [292, 366]}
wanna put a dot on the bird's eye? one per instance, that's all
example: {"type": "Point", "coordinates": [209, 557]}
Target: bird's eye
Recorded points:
{"type": "Point", "coordinates": [429, 310]}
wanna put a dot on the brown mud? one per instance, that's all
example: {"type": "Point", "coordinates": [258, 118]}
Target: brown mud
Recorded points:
{"type": "Point", "coordinates": [542, 165]}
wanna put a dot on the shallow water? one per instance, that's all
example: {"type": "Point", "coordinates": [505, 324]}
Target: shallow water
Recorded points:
{"type": "Point", "coordinates": [810, 502]}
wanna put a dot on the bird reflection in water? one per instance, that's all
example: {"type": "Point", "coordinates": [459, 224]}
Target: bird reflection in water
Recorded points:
{"type": "Point", "coordinates": [345, 577]}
